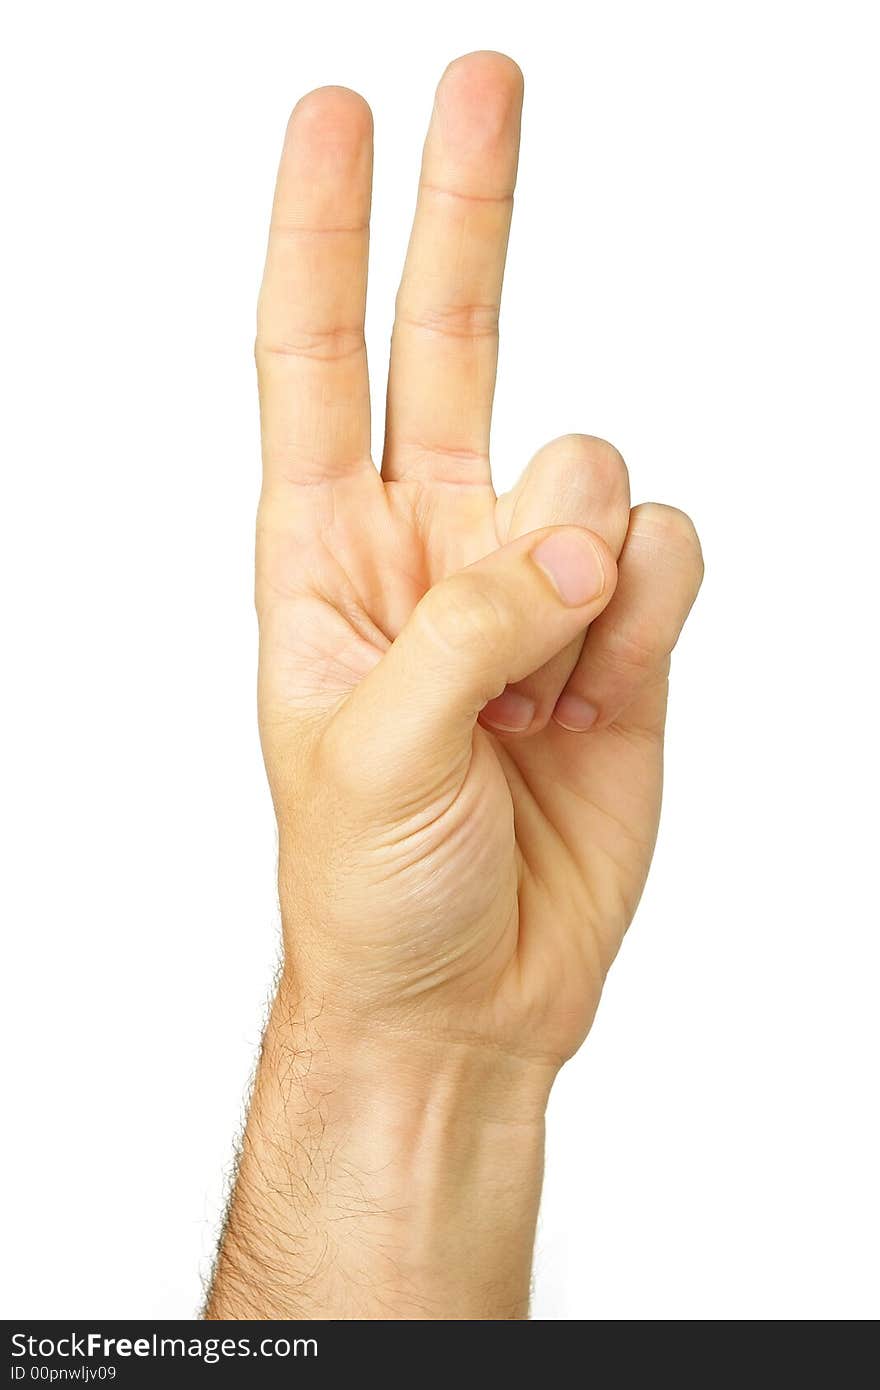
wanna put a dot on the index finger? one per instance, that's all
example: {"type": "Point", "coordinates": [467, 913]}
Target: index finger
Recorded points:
{"type": "Point", "coordinates": [311, 355]}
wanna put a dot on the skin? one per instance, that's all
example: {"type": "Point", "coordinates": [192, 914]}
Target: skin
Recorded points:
{"type": "Point", "coordinates": [462, 701]}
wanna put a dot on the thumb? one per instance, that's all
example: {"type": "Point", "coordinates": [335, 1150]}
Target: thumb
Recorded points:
{"type": "Point", "coordinates": [411, 720]}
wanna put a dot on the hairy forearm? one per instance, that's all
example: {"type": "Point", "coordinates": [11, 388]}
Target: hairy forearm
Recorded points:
{"type": "Point", "coordinates": [382, 1177]}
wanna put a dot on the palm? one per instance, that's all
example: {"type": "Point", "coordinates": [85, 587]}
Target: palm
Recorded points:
{"type": "Point", "coordinates": [546, 826]}
{"type": "Point", "coordinates": [559, 839]}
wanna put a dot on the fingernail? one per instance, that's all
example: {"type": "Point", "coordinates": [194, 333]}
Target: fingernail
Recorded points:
{"type": "Point", "coordinates": [572, 563]}
{"type": "Point", "coordinates": [509, 712]}
{"type": "Point", "coordinates": [575, 714]}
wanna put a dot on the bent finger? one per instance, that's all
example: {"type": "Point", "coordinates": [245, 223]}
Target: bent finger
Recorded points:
{"type": "Point", "coordinates": [628, 646]}
{"type": "Point", "coordinates": [576, 480]}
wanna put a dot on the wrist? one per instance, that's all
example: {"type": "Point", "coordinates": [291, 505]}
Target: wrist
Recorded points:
{"type": "Point", "coordinates": [354, 1060]}
{"type": "Point", "coordinates": [383, 1175]}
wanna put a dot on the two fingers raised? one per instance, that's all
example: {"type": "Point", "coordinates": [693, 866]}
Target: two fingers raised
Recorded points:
{"type": "Point", "coordinates": [314, 389]}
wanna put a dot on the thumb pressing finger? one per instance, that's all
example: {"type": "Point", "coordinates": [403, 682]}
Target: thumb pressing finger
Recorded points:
{"type": "Point", "coordinates": [411, 720]}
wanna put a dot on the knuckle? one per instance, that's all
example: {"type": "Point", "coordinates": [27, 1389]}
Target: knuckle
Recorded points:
{"type": "Point", "coordinates": [631, 651]}
{"type": "Point", "coordinates": [671, 528]}
{"type": "Point", "coordinates": [605, 464]}
{"type": "Point", "coordinates": [603, 450]}
{"type": "Point", "coordinates": [469, 321]}
{"type": "Point", "coordinates": [335, 343]}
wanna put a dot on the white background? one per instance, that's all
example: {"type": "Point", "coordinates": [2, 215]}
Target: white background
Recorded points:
{"type": "Point", "coordinates": [694, 275]}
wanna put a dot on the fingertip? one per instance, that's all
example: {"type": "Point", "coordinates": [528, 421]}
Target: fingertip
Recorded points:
{"type": "Point", "coordinates": [488, 67]}
{"type": "Point", "coordinates": [575, 714]}
{"type": "Point", "coordinates": [478, 104]}
{"type": "Point", "coordinates": [332, 112]}
{"type": "Point", "coordinates": [326, 161]}
{"type": "Point", "coordinates": [509, 713]}
{"type": "Point", "coordinates": [579, 564]}
{"type": "Point", "coordinates": [672, 531]}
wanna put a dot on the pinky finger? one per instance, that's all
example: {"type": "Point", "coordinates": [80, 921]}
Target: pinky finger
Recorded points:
{"type": "Point", "coordinates": [627, 649]}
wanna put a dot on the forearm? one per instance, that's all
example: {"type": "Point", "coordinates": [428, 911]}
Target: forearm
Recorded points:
{"type": "Point", "coordinates": [382, 1177]}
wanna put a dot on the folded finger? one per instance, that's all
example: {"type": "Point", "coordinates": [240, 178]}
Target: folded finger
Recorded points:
{"type": "Point", "coordinates": [577, 481]}
{"type": "Point", "coordinates": [627, 649]}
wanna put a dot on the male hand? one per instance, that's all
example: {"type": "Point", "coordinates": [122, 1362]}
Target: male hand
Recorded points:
{"type": "Point", "coordinates": [462, 696]}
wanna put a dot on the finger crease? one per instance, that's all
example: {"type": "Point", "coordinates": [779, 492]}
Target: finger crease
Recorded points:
{"type": "Point", "coordinates": [469, 323]}
{"type": "Point", "coordinates": [292, 229]}
{"type": "Point", "coordinates": [461, 196]}
{"type": "Point", "coordinates": [324, 345]}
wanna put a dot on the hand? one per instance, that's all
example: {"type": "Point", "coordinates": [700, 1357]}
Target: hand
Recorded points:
{"type": "Point", "coordinates": [462, 697]}
{"type": "Point", "coordinates": [462, 701]}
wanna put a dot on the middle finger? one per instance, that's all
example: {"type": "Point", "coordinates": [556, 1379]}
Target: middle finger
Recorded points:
{"type": "Point", "coordinates": [444, 346]}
